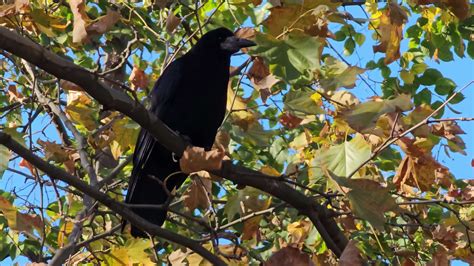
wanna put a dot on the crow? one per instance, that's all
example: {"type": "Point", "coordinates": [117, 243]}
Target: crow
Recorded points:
{"type": "Point", "coordinates": [190, 98]}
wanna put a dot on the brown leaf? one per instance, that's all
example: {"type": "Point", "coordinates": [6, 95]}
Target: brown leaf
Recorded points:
{"type": "Point", "coordinates": [390, 28]}
{"type": "Point", "coordinates": [19, 221]}
{"type": "Point", "coordinates": [80, 21]}
{"type": "Point", "coordinates": [460, 8]}
{"type": "Point", "coordinates": [172, 22]}
{"type": "Point", "coordinates": [24, 163]}
{"type": "Point", "coordinates": [222, 140]}
{"type": "Point", "coordinates": [351, 255]}
{"type": "Point", "coordinates": [69, 86]}
{"type": "Point", "coordinates": [310, 17]}
{"type": "Point", "coordinates": [104, 23]}
{"type": "Point", "coordinates": [417, 172]}
{"type": "Point", "coordinates": [195, 159]}
{"type": "Point", "coordinates": [446, 235]}
{"type": "Point", "coordinates": [262, 79]}
{"type": "Point", "coordinates": [440, 257]}
{"type": "Point", "coordinates": [198, 194]}
{"type": "Point", "coordinates": [14, 95]}
{"type": "Point", "coordinates": [290, 121]}
{"type": "Point", "coordinates": [138, 78]}
{"type": "Point", "coordinates": [289, 256]}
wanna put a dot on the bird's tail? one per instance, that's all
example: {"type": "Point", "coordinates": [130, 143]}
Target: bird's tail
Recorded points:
{"type": "Point", "coordinates": [148, 191]}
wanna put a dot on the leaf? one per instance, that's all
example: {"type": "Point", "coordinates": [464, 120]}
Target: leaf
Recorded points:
{"type": "Point", "coordinates": [417, 171]}
{"type": "Point", "coordinates": [344, 158]}
{"type": "Point", "coordinates": [123, 135]}
{"type": "Point", "coordinates": [351, 255]}
{"type": "Point", "coordinates": [369, 206]}
{"type": "Point", "coordinates": [80, 21]}
{"type": "Point", "coordinates": [20, 221]}
{"type": "Point", "coordinates": [310, 18]}
{"type": "Point", "coordinates": [64, 231]}
{"type": "Point", "coordinates": [5, 154]}
{"type": "Point", "coordinates": [293, 59]}
{"type": "Point", "coordinates": [132, 253]}
{"type": "Point", "coordinates": [198, 194]}
{"type": "Point", "coordinates": [290, 121]}
{"type": "Point", "coordinates": [25, 164]}
{"type": "Point", "coordinates": [244, 202]}
{"type": "Point", "coordinates": [363, 116]}
{"type": "Point", "coordinates": [336, 74]}
{"type": "Point", "coordinates": [195, 159]}
{"type": "Point", "coordinates": [79, 109]}
{"type": "Point", "coordinates": [300, 104]}
{"type": "Point", "coordinates": [261, 78]}
{"type": "Point", "coordinates": [390, 25]}
{"type": "Point", "coordinates": [14, 95]}
{"type": "Point", "coordinates": [172, 22]}
{"type": "Point", "coordinates": [445, 86]}
{"type": "Point", "coordinates": [240, 114]}
{"type": "Point", "coordinates": [344, 97]}
{"type": "Point", "coordinates": [289, 256]}
{"type": "Point", "coordinates": [138, 78]}
{"type": "Point", "coordinates": [104, 24]}
{"type": "Point", "coordinates": [299, 232]}
{"type": "Point", "coordinates": [460, 8]}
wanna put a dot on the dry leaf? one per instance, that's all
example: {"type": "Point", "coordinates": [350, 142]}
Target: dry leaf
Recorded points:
{"type": "Point", "coordinates": [390, 28]}
{"type": "Point", "coordinates": [290, 121]}
{"type": "Point", "coordinates": [138, 78]}
{"type": "Point", "coordinates": [198, 194]}
{"type": "Point", "coordinates": [172, 22]}
{"type": "Point", "coordinates": [289, 256]}
{"type": "Point", "coordinates": [80, 21]}
{"type": "Point", "coordinates": [104, 23]}
{"type": "Point", "coordinates": [195, 159]}
{"type": "Point", "coordinates": [351, 255]}
{"type": "Point", "coordinates": [14, 95]}
{"type": "Point", "coordinates": [299, 232]}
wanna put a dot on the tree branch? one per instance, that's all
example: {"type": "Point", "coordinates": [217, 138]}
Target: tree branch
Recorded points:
{"type": "Point", "coordinates": [120, 101]}
{"type": "Point", "coordinates": [115, 206]}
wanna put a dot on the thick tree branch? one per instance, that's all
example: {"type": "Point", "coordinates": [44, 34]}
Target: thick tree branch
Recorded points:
{"type": "Point", "coordinates": [115, 206]}
{"type": "Point", "coordinates": [120, 101]}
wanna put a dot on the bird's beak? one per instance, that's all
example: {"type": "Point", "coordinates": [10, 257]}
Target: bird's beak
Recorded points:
{"type": "Point", "coordinates": [234, 44]}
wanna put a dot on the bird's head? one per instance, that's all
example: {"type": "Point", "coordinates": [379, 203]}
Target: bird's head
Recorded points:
{"type": "Point", "coordinates": [224, 41]}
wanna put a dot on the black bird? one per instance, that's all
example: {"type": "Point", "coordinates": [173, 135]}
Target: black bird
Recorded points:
{"type": "Point", "coordinates": [190, 97]}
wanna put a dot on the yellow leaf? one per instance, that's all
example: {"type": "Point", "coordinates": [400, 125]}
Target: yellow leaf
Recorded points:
{"type": "Point", "coordinates": [133, 252]}
{"type": "Point", "coordinates": [240, 115]}
{"type": "Point", "coordinates": [80, 110]}
{"type": "Point", "coordinates": [390, 28]}
{"type": "Point", "coordinates": [299, 232]}
{"type": "Point", "coordinates": [65, 230]}
{"type": "Point", "coordinates": [268, 170]}
{"type": "Point", "coordinates": [19, 221]}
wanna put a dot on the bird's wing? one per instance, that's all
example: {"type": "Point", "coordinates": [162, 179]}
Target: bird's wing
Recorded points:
{"type": "Point", "coordinates": [163, 92]}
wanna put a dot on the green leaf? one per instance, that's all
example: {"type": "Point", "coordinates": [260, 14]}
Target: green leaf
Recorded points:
{"type": "Point", "coordinates": [344, 158]}
{"type": "Point", "coordinates": [340, 36]}
{"type": "Point", "coordinates": [445, 86]}
{"type": "Point", "coordinates": [336, 74]}
{"type": "Point", "coordinates": [424, 96]}
{"type": "Point", "coordinates": [294, 59]}
{"type": "Point", "coordinates": [4, 159]}
{"type": "Point", "coordinates": [430, 77]}
{"type": "Point", "coordinates": [300, 103]}
{"type": "Point", "coordinates": [359, 38]}
{"type": "Point", "coordinates": [369, 199]}
{"type": "Point", "coordinates": [407, 76]}
{"type": "Point", "coordinates": [364, 116]}
{"type": "Point", "coordinates": [349, 46]}
{"type": "Point", "coordinates": [418, 68]}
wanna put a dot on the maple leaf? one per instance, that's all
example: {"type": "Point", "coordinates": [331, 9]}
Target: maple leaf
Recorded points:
{"type": "Point", "coordinates": [195, 159]}
{"type": "Point", "coordinates": [390, 28]}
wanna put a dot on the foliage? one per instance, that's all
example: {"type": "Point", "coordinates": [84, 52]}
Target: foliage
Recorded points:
{"type": "Point", "coordinates": [294, 114]}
